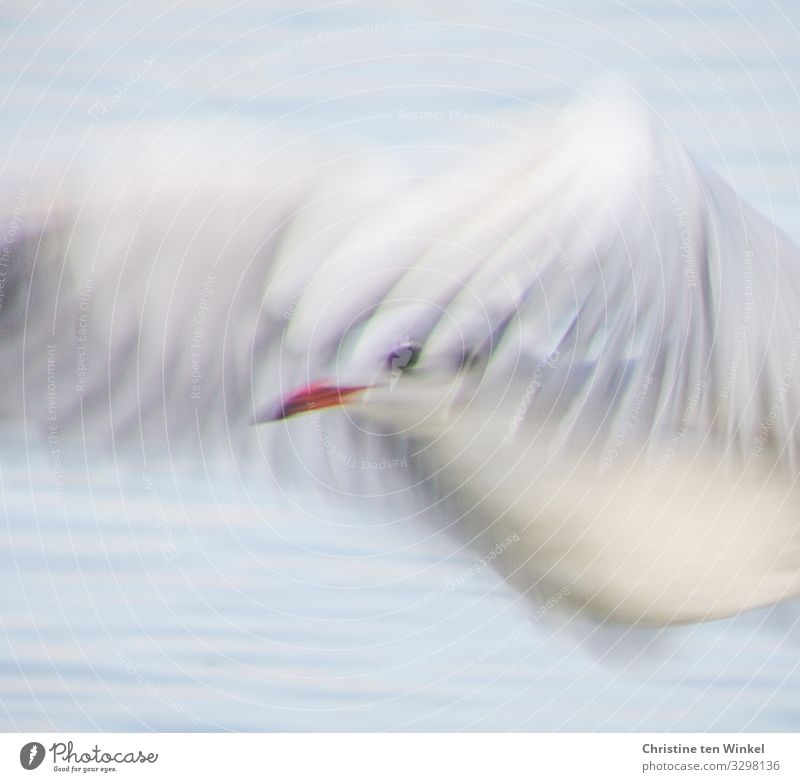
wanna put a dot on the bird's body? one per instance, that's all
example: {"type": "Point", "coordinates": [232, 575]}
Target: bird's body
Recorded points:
{"type": "Point", "coordinates": [593, 299]}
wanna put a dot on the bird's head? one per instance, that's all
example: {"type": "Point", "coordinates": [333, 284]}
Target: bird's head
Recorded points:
{"type": "Point", "coordinates": [394, 391]}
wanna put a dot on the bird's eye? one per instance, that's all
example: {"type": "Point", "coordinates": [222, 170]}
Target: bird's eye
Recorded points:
{"type": "Point", "coordinates": [404, 356]}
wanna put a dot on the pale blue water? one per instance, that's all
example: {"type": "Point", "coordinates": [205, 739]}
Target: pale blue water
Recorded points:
{"type": "Point", "coordinates": [181, 602]}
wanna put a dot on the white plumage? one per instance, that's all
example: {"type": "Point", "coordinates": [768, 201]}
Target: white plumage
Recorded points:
{"type": "Point", "coordinates": [613, 331]}
{"type": "Point", "coordinates": [627, 330]}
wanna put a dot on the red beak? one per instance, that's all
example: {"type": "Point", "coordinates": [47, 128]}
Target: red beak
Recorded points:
{"type": "Point", "coordinates": [316, 396]}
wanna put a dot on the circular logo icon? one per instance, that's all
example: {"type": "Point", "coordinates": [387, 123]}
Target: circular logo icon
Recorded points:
{"type": "Point", "coordinates": [31, 755]}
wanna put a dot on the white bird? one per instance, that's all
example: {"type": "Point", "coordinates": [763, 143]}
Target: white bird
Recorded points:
{"type": "Point", "coordinates": [603, 340]}
{"type": "Point", "coordinates": [588, 339]}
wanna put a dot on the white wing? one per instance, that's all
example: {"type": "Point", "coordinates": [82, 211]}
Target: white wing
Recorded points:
{"type": "Point", "coordinates": [600, 268]}
{"type": "Point", "coordinates": [606, 291]}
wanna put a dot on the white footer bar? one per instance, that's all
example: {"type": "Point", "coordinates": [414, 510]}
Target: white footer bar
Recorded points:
{"type": "Point", "coordinates": [400, 757]}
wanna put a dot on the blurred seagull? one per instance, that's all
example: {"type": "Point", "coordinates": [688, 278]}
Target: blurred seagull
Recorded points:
{"type": "Point", "coordinates": [598, 343]}
{"type": "Point", "coordinates": [582, 342]}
